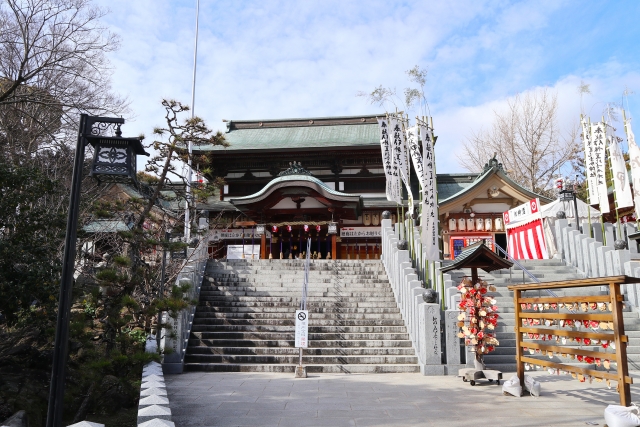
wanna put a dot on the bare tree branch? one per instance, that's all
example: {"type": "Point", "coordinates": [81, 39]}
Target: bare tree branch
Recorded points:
{"type": "Point", "coordinates": [526, 138]}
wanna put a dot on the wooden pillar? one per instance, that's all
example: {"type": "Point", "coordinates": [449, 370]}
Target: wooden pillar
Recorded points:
{"type": "Point", "coordinates": [624, 388]}
{"type": "Point", "coordinates": [334, 247]}
{"type": "Point", "coordinates": [519, 364]}
{"type": "Point", "coordinates": [263, 246]}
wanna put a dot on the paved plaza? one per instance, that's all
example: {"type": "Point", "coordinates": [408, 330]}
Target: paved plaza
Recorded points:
{"type": "Point", "coordinates": [274, 399]}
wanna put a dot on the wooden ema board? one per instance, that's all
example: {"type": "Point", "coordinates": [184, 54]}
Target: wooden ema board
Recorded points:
{"type": "Point", "coordinates": [611, 317]}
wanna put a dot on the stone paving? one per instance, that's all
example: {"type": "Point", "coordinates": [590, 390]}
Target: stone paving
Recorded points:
{"type": "Point", "coordinates": [275, 399]}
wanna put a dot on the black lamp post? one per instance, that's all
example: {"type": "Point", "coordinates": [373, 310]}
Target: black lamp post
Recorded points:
{"type": "Point", "coordinates": [569, 194]}
{"type": "Point", "coordinates": [121, 164]}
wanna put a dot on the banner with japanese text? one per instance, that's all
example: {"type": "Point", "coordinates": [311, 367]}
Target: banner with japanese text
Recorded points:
{"type": "Point", "coordinates": [415, 152]}
{"type": "Point", "coordinates": [619, 173]}
{"type": "Point", "coordinates": [391, 173]}
{"type": "Point", "coordinates": [589, 162]}
{"type": "Point", "coordinates": [597, 152]}
{"type": "Point", "coordinates": [429, 219]}
{"type": "Point", "coordinates": [634, 161]}
{"type": "Point", "coordinates": [400, 157]}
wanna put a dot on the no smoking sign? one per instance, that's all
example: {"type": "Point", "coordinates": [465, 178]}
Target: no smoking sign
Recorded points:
{"type": "Point", "coordinates": [302, 328]}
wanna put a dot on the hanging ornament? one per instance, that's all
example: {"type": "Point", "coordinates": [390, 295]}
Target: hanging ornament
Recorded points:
{"type": "Point", "coordinates": [274, 229]}
{"type": "Point", "coordinates": [318, 228]}
{"type": "Point", "coordinates": [289, 228]}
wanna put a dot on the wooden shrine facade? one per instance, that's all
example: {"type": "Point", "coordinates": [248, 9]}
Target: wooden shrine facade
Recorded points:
{"type": "Point", "coordinates": [342, 155]}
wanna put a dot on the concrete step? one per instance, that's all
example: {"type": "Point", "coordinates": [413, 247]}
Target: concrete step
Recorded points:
{"type": "Point", "coordinates": [324, 351]}
{"type": "Point", "coordinates": [295, 304]}
{"type": "Point", "coordinates": [294, 358]}
{"type": "Point", "coordinates": [313, 336]}
{"type": "Point", "coordinates": [289, 342]}
{"type": "Point", "coordinates": [336, 329]}
{"type": "Point", "coordinates": [276, 315]}
{"type": "Point", "coordinates": [291, 322]}
{"type": "Point", "coordinates": [290, 368]}
{"type": "Point", "coordinates": [288, 310]}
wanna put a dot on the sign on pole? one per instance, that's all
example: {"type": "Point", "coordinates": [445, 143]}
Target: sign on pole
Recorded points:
{"type": "Point", "coordinates": [302, 328]}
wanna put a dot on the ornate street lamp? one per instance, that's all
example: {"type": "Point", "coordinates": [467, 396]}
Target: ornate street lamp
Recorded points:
{"type": "Point", "coordinates": [114, 158]}
{"type": "Point", "coordinates": [90, 131]}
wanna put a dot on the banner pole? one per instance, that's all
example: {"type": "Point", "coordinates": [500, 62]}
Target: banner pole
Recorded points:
{"type": "Point", "coordinates": [615, 198]}
{"type": "Point", "coordinates": [624, 120]}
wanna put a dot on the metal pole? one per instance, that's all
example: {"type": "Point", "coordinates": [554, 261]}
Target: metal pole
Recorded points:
{"type": "Point", "coordinates": [187, 223]}
{"type": "Point", "coordinates": [167, 236]}
{"type": "Point", "coordinates": [56, 390]}
{"type": "Point", "coordinates": [575, 207]}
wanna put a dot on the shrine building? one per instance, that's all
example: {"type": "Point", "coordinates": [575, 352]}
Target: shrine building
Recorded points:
{"type": "Point", "coordinates": [323, 178]}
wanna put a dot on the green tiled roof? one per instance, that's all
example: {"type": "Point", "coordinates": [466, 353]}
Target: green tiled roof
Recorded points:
{"type": "Point", "coordinates": [300, 133]}
{"type": "Point", "coordinates": [492, 168]}
{"type": "Point", "coordinates": [450, 184]}
{"type": "Point", "coordinates": [479, 256]}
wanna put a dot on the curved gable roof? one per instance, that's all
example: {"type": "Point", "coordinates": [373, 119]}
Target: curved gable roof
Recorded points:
{"type": "Point", "coordinates": [294, 180]}
{"type": "Point", "coordinates": [494, 168]}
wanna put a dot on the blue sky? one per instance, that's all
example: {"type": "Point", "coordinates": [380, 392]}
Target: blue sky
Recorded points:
{"type": "Point", "coordinates": [276, 59]}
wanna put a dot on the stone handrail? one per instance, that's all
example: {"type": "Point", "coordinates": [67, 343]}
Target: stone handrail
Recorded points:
{"type": "Point", "coordinates": [177, 336]}
{"type": "Point", "coordinates": [423, 320]}
{"type": "Point", "coordinates": [596, 256]}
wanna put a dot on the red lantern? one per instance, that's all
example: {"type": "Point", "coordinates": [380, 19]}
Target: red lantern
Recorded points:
{"type": "Point", "coordinates": [274, 229]}
{"type": "Point", "coordinates": [318, 228]}
{"type": "Point", "coordinates": [289, 228]}
{"type": "Point", "coordinates": [306, 228]}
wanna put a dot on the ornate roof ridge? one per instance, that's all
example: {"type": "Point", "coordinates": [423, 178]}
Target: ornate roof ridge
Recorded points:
{"type": "Point", "coordinates": [366, 119]}
{"type": "Point", "coordinates": [295, 169]}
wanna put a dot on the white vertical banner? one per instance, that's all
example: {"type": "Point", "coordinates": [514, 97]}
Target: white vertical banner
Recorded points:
{"type": "Point", "coordinates": [634, 161]}
{"type": "Point", "coordinates": [430, 199]}
{"type": "Point", "coordinates": [387, 161]}
{"type": "Point", "coordinates": [415, 152]}
{"type": "Point", "coordinates": [400, 157]}
{"type": "Point", "coordinates": [619, 173]}
{"type": "Point", "coordinates": [590, 162]}
{"type": "Point", "coordinates": [599, 143]}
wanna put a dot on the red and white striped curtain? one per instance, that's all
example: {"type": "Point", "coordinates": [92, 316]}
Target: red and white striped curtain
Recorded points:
{"type": "Point", "coordinates": [527, 241]}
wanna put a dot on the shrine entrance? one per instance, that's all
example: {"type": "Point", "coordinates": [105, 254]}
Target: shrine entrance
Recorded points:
{"type": "Point", "coordinates": [296, 206]}
{"type": "Point", "coordinates": [287, 244]}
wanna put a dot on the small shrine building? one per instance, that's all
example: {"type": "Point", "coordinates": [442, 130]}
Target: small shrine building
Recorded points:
{"type": "Point", "coordinates": [323, 178]}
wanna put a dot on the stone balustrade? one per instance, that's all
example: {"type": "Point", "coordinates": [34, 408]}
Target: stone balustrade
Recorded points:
{"type": "Point", "coordinates": [423, 320]}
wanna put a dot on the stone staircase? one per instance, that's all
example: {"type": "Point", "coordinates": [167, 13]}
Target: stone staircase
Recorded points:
{"type": "Point", "coordinates": [503, 358]}
{"type": "Point", "coordinates": [244, 320]}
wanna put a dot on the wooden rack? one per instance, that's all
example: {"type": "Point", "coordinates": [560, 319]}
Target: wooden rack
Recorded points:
{"type": "Point", "coordinates": [614, 335]}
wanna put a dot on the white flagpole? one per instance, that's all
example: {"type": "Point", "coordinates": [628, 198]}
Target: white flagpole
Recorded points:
{"type": "Point", "coordinates": [187, 223]}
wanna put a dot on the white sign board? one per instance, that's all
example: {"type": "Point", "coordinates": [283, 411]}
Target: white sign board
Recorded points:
{"type": "Point", "coordinates": [361, 232]}
{"type": "Point", "coordinates": [302, 328]}
{"type": "Point", "coordinates": [522, 212]}
{"type": "Point", "coordinates": [235, 251]}
{"type": "Point", "coordinates": [235, 234]}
